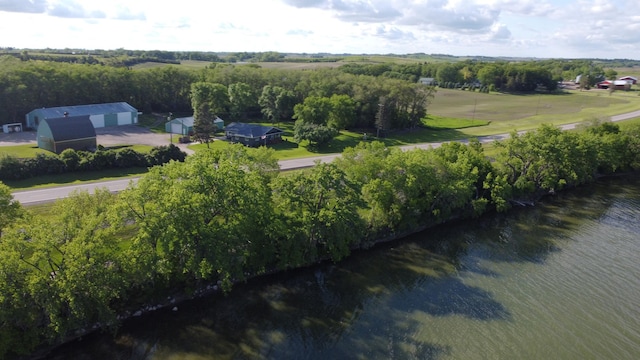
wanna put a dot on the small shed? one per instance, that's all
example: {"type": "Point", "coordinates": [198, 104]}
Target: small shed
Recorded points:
{"type": "Point", "coordinates": [10, 128]}
{"type": "Point", "coordinates": [101, 115]}
{"type": "Point", "coordinates": [427, 81]}
{"type": "Point", "coordinates": [253, 134]}
{"type": "Point", "coordinates": [184, 125]}
{"type": "Point", "coordinates": [71, 132]}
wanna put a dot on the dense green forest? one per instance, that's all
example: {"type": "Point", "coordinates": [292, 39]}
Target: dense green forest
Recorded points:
{"type": "Point", "coordinates": [222, 216]}
{"type": "Point", "coordinates": [252, 92]}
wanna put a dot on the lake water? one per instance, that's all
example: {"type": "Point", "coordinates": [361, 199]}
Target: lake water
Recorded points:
{"type": "Point", "coordinates": [560, 280]}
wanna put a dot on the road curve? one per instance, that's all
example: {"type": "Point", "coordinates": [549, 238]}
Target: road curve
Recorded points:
{"type": "Point", "coordinates": [31, 197]}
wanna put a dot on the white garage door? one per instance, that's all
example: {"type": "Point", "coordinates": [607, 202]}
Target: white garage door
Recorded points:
{"type": "Point", "coordinates": [176, 128]}
{"type": "Point", "coordinates": [97, 120]}
{"type": "Point", "coordinates": [124, 118]}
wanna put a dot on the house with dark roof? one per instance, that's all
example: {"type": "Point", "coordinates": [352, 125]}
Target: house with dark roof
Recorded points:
{"type": "Point", "coordinates": [101, 115]}
{"type": "Point", "coordinates": [71, 132]}
{"type": "Point", "coordinates": [253, 134]}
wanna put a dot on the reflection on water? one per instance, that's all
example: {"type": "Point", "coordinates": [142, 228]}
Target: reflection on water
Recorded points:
{"type": "Point", "coordinates": [558, 280]}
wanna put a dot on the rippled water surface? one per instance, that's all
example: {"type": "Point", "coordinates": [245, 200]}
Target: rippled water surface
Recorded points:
{"type": "Point", "coordinates": [560, 280]}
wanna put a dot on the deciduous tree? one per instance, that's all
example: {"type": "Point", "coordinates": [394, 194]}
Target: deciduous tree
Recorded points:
{"type": "Point", "coordinates": [321, 212]}
{"type": "Point", "coordinates": [10, 209]}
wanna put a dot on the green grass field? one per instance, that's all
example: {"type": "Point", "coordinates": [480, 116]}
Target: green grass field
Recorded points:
{"type": "Point", "coordinates": [507, 112]}
{"type": "Point", "coordinates": [74, 178]}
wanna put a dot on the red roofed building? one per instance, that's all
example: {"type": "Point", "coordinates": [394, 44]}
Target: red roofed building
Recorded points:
{"type": "Point", "coordinates": [604, 84]}
{"type": "Point", "coordinates": [632, 79]}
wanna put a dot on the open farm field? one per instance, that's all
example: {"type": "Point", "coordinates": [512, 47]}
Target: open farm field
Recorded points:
{"type": "Point", "coordinates": [507, 112]}
{"type": "Point", "coordinates": [628, 71]}
{"type": "Point", "coordinates": [298, 65]}
{"type": "Point", "coordinates": [152, 65]}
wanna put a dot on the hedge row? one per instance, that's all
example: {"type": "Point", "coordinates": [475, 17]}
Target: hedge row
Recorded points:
{"type": "Point", "coordinates": [13, 168]}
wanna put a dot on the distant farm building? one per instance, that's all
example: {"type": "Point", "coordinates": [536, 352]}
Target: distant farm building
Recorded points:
{"type": "Point", "coordinates": [604, 84]}
{"type": "Point", "coordinates": [184, 125]}
{"type": "Point", "coordinates": [631, 79]}
{"type": "Point", "coordinates": [253, 134]}
{"type": "Point", "coordinates": [622, 84]}
{"type": "Point", "coordinates": [71, 132]}
{"type": "Point", "coordinates": [101, 115]}
{"type": "Point", "coordinates": [427, 81]}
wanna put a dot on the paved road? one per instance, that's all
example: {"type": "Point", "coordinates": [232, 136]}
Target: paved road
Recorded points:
{"type": "Point", "coordinates": [28, 197]}
{"type": "Point", "coordinates": [38, 196]}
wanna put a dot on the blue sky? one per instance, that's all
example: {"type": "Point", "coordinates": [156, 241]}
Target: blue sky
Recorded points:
{"type": "Point", "coordinates": [522, 28]}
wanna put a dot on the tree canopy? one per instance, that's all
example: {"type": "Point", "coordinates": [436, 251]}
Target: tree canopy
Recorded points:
{"type": "Point", "coordinates": [224, 215]}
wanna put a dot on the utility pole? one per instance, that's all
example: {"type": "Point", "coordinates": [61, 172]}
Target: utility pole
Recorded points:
{"type": "Point", "coordinates": [170, 129]}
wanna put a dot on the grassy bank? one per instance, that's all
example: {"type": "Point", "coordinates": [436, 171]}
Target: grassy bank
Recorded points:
{"type": "Point", "coordinates": [74, 178]}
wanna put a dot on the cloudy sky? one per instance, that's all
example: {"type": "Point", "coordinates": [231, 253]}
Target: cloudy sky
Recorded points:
{"type": "Point", "coordinates": [538, 28]}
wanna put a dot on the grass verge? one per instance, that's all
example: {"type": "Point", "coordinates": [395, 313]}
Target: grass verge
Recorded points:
{"type": "Point", "coordinates": [74, 178]}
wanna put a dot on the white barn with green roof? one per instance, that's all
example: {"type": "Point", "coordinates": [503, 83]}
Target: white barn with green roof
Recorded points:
{"type": "Point", "coordinates": [101, 115]}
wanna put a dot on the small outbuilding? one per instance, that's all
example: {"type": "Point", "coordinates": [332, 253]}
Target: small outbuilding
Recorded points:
{"type": "Point", "coordinates": [253, 134]}
{"type": "Point", "coordinates": [101, 115]}
{"type": "Point", "coordinates": [10, 128]}
{"type": "Point", "coordinates": [71, 132]}
{"type": "Point", "coordinates": [184, 125]}
{"type": "Point", "coordinates": [427, 81]}
{"type": "Point", "coordinates": [622, 85]}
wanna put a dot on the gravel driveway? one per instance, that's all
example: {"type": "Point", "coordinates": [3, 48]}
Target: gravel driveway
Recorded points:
{"type": "Point", "coordinates": [107, 136]}
{"type": "Point", "coordinates": [130, 135]}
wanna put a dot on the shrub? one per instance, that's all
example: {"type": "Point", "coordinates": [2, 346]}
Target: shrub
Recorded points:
{"type": "Point", "coordinates": [10, 168]}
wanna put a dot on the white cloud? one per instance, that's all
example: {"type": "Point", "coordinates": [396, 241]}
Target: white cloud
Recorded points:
{"type": "Point", "coordinates": [541, 28]}
{"type": "Point", "coordinates": [24, 6]}
{"type": "Point", "coordinates": [500, 32]}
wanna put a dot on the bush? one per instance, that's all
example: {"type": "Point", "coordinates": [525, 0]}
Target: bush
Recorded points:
{"type": "Point", "coordinates": [126, 158]}
{"type": "Point", "coordinates": [71, 159]}
{"type": "Point", "coordinates": [163, 154]}
{"type": "Point", "coordinates": [43, 164]}
{"type": "Point", "coordinates": [12, 168]}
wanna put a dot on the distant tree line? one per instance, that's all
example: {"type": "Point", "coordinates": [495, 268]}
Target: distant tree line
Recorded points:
{"type": "Point", "coordinates": [225, 215]}
{"type": "Point", "coordinates": [244, 91]}
{"type": "Point", "coordinates": [69, 161]}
